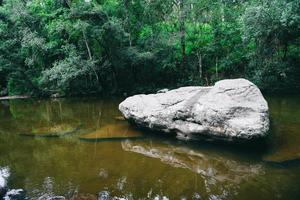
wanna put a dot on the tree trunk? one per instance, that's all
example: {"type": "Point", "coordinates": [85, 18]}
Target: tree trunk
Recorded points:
{"type": "Point", "coordinates": [217, 63]}
{"type": "Point", "coordinates": [182, 33]}
{"type": "Point", "coordinates": [87, 45]}
{"type": "Point", "coordinates": [127, 21]}
{"type": "Point", "coordinates": [90, 54]}
{"type": "Point", "coordinates": [285, 51]}
{"type": "Point", "coordinates": [200, 71]}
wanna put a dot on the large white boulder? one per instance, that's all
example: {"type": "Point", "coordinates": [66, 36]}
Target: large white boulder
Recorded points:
{"type": "Point", "coordinates": [229, 110]}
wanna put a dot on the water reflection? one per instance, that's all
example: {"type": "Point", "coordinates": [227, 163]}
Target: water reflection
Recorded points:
{"type": "Point", "coordinates": [149, 168]}
{"type": "Point", "coordinates": [61, 117]}
{"type": "Point", "coordinates": [217, 171]}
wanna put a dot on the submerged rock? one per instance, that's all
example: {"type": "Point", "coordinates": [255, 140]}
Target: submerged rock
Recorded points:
{"type": "Point", "coordinates": [281, 156]}
{"type": "Point", "coordinates": [53, 131]}
{"type": "Point", "coordinates": [231, 109]}
{"type": "Point", "coordinates": [284, 139]}
{"type": "Point", "coordinates": [285, 147]}
{"type": "Point", "coordinates": [118, 131]}
{"type": "Point", "coordinates": [120, 118]}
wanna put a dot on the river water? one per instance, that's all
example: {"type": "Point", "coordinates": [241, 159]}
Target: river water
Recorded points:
{"type": "Point", "coordinates": [77, 148]}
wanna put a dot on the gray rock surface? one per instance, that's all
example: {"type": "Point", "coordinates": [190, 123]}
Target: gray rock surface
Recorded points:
{"type": "Point", "coordinates": [4, 175]}
{"type": "Point", "coordinates": [231, 109]}
{"type": "Point", "coordinates": [15, 194]}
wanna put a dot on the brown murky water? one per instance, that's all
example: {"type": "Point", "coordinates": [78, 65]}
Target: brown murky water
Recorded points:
{"type": "Point", "coordinates": [82, 146]}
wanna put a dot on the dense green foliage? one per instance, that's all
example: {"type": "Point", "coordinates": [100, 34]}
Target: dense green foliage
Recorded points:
{"type": "Point", "coordinates": [74, 47]}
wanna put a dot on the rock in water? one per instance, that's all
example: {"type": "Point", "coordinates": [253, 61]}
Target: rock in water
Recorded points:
{"type": "Point", "coordinates": [229, 110]}
{"type": "Point", "coordinates": [15, 194]}
{"type": "Point", "coordinates": [4, 174]}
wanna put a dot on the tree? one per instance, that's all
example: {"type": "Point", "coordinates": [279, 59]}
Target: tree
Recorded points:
{"type": "Point", "coordinates": [124, 46]}
{"type": "Point", "coordinates": [274, 28]}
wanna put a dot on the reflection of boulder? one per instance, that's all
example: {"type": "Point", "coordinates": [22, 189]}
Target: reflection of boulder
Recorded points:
{"type": "Point", "coordinates": [231, 109]}
{"type": "Point", "coordinates": [214, 168]}
{"type": "Point", "coordinates": [53, 131]}
{"type": "Point", "coordinates": [113, 132]}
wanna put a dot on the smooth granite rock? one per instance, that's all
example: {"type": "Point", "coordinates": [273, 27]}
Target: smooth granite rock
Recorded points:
{"type": "Point", "coordinates": [229, 110]}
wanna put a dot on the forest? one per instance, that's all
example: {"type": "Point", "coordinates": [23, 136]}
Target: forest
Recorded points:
{"type": "Point", "coordinates": [113, 47]}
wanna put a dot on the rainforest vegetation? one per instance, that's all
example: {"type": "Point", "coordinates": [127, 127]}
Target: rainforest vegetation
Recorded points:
{"type": "Point", "coordinates": [109, 47]}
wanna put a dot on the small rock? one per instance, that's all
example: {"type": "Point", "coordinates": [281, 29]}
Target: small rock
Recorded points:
{"type": "Point", "coordinates": [163, 90]}
{"type": "Point", "coordinates": [15, 194]}
{"type": "Point", "coordinates": [104, 195]}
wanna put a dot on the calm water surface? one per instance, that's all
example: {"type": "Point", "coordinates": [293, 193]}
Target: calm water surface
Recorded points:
{"type": "Point", "coordinates": [92, 155]}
